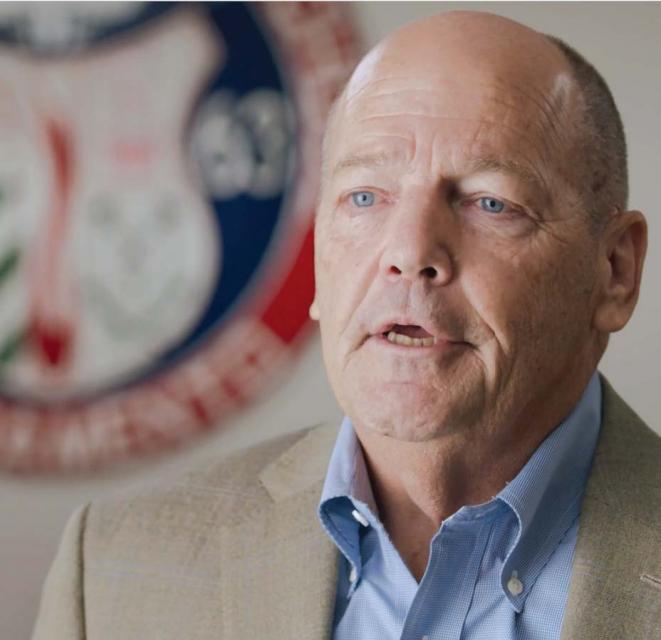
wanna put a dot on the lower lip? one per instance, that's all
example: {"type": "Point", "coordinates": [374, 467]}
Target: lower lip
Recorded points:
{"type": "Point", "coordinates": [440, 346]}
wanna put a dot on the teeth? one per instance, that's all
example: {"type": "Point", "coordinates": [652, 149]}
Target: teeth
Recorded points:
{"type": "Point", "coordinates": [399, 338]}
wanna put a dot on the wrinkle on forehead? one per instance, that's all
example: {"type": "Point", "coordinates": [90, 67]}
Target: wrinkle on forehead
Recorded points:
{"type": "Point", "coordinates": [446, 95]}
{"type": "Point", "coordinates": [520, 121]}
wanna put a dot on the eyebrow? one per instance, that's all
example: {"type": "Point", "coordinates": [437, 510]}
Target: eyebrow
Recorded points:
{"type": "Point", "coordinates": [486, 164]}
{"type": "Point", "coordinates": [491, 164]}
{"type": "Point", "coordinates": [378, 159]}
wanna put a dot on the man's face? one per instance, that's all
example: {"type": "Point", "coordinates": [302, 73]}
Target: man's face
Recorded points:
{"type": "Point", "coordinates": [455, 269]}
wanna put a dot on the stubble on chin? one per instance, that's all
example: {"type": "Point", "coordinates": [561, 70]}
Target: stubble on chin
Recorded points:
{"type": "Point", "coordinates": [411, 413]}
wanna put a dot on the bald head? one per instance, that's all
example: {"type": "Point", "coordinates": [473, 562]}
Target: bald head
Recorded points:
{"type": "Point", "coordinates": [575, 117]}
{"type": "Point", "coordinates": [461, 43]}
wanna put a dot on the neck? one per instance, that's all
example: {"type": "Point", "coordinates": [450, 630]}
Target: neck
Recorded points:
{"type": "Point", "coordinates": [417, 485]}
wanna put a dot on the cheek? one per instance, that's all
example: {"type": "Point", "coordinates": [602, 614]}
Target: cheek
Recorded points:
{"type": "Point", "coordinates": [345, 268]}
{"type": "Point", "coordinates": [505, 291]}
{"type": "Point", "coordinates": [532, 302]}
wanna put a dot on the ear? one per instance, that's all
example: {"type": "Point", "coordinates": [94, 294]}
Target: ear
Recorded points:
{"type": "Point", "coordinates": [314, 309]}
{"type": "Point", "coordinates": [622, 253]}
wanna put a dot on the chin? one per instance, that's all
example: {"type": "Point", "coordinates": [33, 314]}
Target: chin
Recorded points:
{"type": "Point", "coordinates": [412, 413]}
{"type": "Point", "coordinates": [410, 401]}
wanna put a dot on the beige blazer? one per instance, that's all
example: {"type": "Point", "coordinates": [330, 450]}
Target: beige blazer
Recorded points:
{"type": "Point", "coordinates": [235, 552]}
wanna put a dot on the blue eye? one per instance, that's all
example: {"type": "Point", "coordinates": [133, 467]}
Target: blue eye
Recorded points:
{"type": "Point", "coordinates": [492, 205]}
{"type": "Point", "coordinates": [363, 198]}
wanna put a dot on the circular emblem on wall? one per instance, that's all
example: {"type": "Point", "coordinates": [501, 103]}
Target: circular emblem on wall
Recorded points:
{"type": "Point", "coordinates": [158, 178]}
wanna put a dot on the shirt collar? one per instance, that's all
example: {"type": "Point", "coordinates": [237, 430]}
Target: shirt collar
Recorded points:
{"type": "Point", "coordinates": [347, 487]}
{"type": "Point", "coordinates": [347, 471]}
{"type": "Point", "coordinates": [544, 496]}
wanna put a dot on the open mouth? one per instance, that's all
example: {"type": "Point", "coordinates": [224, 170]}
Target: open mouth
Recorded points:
{"type": "Point", "coordinates": [409, 335]}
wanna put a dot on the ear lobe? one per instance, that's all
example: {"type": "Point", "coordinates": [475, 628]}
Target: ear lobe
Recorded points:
{"type": "Point", "coordinates": [622, 256]}
{"type": "Point", "coordinates": [314, 310]}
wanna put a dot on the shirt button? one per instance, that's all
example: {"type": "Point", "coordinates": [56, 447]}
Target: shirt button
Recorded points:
{"type": "Point", "coordinates": [360, 517]}
{"type": "Point", "coordinates": [353, 574]}
{"type": "Point", "coordinates": [514, 585]}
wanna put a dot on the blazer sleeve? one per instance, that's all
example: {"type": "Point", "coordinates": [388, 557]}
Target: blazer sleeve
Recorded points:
{"type": "Point", "coordinates": [62, 611]}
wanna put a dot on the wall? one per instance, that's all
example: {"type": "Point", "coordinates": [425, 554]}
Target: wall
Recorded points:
{"type": "Point", "coordinates": [622, 40]}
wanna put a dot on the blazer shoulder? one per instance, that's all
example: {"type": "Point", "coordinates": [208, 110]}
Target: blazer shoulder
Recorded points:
{"type": "Point", "coordinates": [170, 552]}
{"type": "Point", "coordinates": [617, 563]}
{"type": "Point", "coordinates": [222, 492]}
{"type": "Point", "coordinates": [627, 464]}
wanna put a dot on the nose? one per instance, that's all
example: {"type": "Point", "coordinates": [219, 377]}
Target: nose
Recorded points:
{"type": "Point", "coordinates": [417, 247]}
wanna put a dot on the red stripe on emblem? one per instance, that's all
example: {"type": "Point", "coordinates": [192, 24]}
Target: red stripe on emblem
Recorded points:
{"type": "Point", "coordinates": [288, 312]}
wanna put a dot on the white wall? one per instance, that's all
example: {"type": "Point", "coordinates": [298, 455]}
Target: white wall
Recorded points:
{"type": "Point", "coordinates": [623, 41]}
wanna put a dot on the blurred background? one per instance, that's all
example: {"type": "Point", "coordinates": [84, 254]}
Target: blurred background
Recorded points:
{"type": "Point", "coordinates": [158, 172]}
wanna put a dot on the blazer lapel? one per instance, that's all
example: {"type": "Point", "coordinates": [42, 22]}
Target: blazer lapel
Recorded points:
{"type": "Point", "coordinates": [282, 569]}
{"type": "Point", "coordinates": [618, 551]}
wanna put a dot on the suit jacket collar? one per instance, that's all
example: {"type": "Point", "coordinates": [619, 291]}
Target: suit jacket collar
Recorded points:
{"type": "Point", "coordinates": [282, 579]}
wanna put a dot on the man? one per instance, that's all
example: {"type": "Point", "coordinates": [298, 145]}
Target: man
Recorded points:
{"type": "Point", "coordinates": [473, 254]}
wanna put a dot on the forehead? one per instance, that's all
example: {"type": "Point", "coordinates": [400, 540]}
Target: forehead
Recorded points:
{"type": "Point", "coordinates": [469, 114]}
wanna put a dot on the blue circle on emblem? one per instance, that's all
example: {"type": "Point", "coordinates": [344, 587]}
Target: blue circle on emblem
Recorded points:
{"type": "Point", "coordinates": [239, 147]}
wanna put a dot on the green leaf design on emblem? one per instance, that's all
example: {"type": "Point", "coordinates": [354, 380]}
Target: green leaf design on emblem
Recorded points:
{"type": "Point", "coordinates": [8, 263]}
{"type": "Point", "coordinates": [10, 346]}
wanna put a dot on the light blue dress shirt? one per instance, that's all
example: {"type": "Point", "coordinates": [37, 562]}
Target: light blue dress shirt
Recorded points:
{"type": "Point", "coordinates": [496, 571]}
